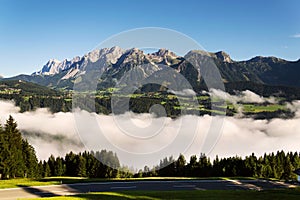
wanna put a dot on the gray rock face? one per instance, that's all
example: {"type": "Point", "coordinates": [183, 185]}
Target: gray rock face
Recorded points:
{"type": "Point", "coordinates": [114, 62]}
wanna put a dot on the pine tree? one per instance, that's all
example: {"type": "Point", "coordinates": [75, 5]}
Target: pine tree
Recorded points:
{"type": "Point", "coordinates": [46, 169]}
{"type": "Point", "coordinates": [251, 165]}
{"type": "Point", "coordinates": [287, 169]}
{"type": "Point", "coordinates": [30, 160]}
{"type": "Point", "coordinates": [71, 164]}
{"type": "Point", "coordinates": [59, 168]}
{"type": "Point", "coordinates": [217, 168]}
{"type": "Point", "coordinates": [180, 166]}
{"type": "Point", "coordinates": [146, 172]}
{"type": "Point", "coordinates": [81, 166]}
{"type": "Point", "coordinates": [91, 164]}
{"type": "Point", "coordinates": [40, 173]}
{"type": "Point", "coordinates": [279, 164]}
{"type": "Point", "coordinates": [51, 162]}
{"type": "Point", "coordinates": [205, 166]}
{"type": "Point", "coordinates": [4, 170]}
{"type": "Point", "coordinates": [192, 166]}
{"type": "Point", "coordinates": [15, 155]}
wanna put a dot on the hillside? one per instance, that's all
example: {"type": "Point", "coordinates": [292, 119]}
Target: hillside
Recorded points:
{"type": "Point", "coordinates": [30, 96]}
{"type": "Point", "coordinates": [25, 88]}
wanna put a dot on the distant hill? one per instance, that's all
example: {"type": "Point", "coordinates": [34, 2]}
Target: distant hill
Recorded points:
{"type": "Point", "coordinates": [30, 96]}
{"type": "Point", "coordinates": [265, 70]}
{"type": "Point", "coordinates": [289, 93]}
{"type": "Point", "coordinates": [25, 88]}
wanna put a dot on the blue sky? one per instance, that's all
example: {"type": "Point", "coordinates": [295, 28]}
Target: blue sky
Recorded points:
{"type": "Point", "coordinates": [32, 32]}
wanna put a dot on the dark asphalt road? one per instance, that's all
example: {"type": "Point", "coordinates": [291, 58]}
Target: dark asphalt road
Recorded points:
{"type": "Point", "coordinates": [69, 189]}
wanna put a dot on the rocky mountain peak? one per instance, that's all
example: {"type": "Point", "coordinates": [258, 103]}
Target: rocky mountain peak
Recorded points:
{"type": "Point", "coordinates": [50, 68]}
{"type": "Point", "coordinates": [164, 53]}
{"type": "Point", "coordinates": [111, 54]}
{"type": "Point", "coordinates": [223, 56]}
{"type": "Point", "coordinates": [268, 59]}
{"type": "Point", "coordinates": [114, 61]}
{"type": "Point", "coordinates": [133, 55]}
{"type": "Point", "coordinates": [53, 61]}
{"type": "Point", "coordinates": [162, 56]}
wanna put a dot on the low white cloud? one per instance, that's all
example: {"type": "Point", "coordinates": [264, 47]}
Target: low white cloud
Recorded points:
{"type": "Point", "coordinates": [246, 96]}
{"type": "Point", "coordinates": [185, 92]}
{"type": "Point", "coordinates": [294, 107]}
{"type": "Point", "coordinates": [147, 139]}
{"type": "Point", "coordinates": [49, 133]}
{"type": "Point", "coordinates": [296, 36]}
{"type": "Point", "coordinates": [244, 136]}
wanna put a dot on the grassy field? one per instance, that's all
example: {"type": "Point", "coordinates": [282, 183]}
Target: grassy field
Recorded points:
{"type": "Point", "coordinates": [14, 183]}
{"type": "Point", "coordinates": [155, 195]}
{"type": "Point", "coordinates": [195, 194]}
{"type": "Point", "coordinates": [259, 108]}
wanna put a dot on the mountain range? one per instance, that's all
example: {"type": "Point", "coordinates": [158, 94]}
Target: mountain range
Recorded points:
{"type": "Point", "coordinates": [114, 62]}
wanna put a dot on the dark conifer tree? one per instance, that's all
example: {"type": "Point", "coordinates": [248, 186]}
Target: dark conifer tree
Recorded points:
{"type": "Point", "coordinates": [4, 154]}
{"type": "Point", "coordinates": [31, 162]}
{"type": "Point", "coordinates": [51, 163]}
{"type": "Point", "coordinates": [192, 166]}
{"type": "Point", "coordinates": [46, 169]}
{"type": "Point", "coordinates": [15, 155]}
{"type": "Point", "coordinates": [71, 164]}
{"type": "Point", "coordinates": [180, 165]}
{"type": "Point", "coordinates": [80, 166]}
{"type": "Point", "coordinates": [59, 168]}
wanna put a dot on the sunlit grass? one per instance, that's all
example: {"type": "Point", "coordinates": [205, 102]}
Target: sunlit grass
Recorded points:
{"type": "Point", "coordinates": [261, 108]}
{"type": "Point", "coordinates": [290, 194]}
{"type": "Point", "coordinates": [14, 183]}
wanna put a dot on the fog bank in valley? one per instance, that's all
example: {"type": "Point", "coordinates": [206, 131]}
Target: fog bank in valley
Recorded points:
{"type": "Point", "coordinates": [56, 133]}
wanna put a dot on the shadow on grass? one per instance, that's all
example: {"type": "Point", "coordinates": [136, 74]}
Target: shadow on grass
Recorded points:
{"type": "Point", "coordinates": [217, 194]}
{"type": "Point", "coordinates": [70, 180]}
{"type": "Point", "coordinates": [37, 191]}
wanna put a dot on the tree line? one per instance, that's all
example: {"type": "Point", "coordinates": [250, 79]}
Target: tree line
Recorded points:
{"type": "Point", "coordinates": [279, 165]}
{"type": "Point", "coordinates": [18, 159]}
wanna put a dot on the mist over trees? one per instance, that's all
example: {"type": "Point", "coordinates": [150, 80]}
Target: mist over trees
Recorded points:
{"type": "Point", "coordinates": [18, 159]}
